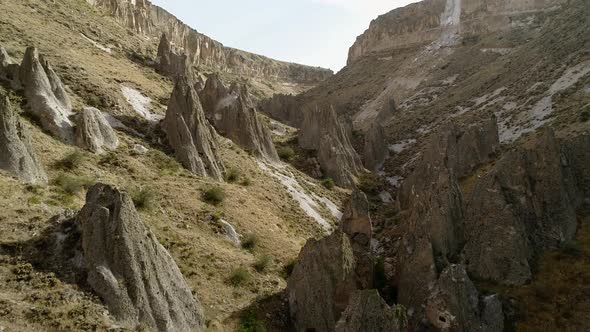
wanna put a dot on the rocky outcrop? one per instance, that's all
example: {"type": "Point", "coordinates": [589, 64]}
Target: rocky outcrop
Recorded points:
{"type": "Point", "coordinates": [16, 153]}
{"type": "Point", "coordinates": [170, 62]}
{"type": "Point", "coordinates": [134, 275]}
{"type": "Point", "coordinates": [356, 221]}
{"type": "Point", "coordinates": [47, 99]}
{"type": "Point", "coordinates": [440, 21]}
{"type": "Point", "coordinates": [375, 151]}
{"type": "Point", "coordinates": [367, 311]}
{"type": "Point", "coordinates": [456, 305]}
{"type": "Point", "coordinates": [9, 70]}
{"type": "Point", "coordinates": [322, 132]}
{"type": "Point", "coordinates": [93, 131]}
{"type": "Point", "coordinates": [150, 20]}
{"type": "Point", "coordinates": [234, 116]}
{"type": "Point", "coordinates": [193, 139]}
{"type": "Point", "coordinates": [284, 108]}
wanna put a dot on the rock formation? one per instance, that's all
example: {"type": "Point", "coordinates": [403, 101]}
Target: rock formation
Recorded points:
{"type": "Point", "coordinates": [285, 108]}
{"type": "Point", "coordinates": [375, 151]}
{"type": "Point", "coordinates": [233, 115]}
{"type": "Point", "coordinates": [93, 131]}
{"type": "Point", "coordinates": [16, 153]}
{"type": "Point", "coordinates": [367, 311]}
{"type": "Point", "coordinates": [133, 274]}
{"type": "Point", "coordinates": [47, 99]}
{"type": "Point", "coordinates": [193, 139]}
{"type": "Point", "coordinates": [9, 70]}
{"type": "Point", "coordinates": [322, 132]}
{"type": "Point", "coordinates": [147, 19]}
{"type": "Point", "coordinates": [170, 62]}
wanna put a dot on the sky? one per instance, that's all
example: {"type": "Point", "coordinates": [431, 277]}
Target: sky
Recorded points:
{"type": "Point", "coordinates": [311, 32]}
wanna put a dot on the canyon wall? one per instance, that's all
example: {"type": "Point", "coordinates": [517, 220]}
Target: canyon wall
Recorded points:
{"type": "Point", "coordinates": [438, 21]}
{"type": "Point", "coordinates": [152, 21]}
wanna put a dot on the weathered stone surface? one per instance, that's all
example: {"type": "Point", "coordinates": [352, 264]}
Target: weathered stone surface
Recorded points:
{"type": "Point", "coordinates": [93, 131]}
{"type": "Point", "coordinates": [170, 62]}
{"type": "Point", "coordinates": [234, 116]}
{"type": "Point", "coordinates": [47, 99]}
{"type": "Point", "coordinates": [284, 108]}
{"type": "Point", "coordinates": [133, 274]}
{"type": "Point", "coordinates": [9, 70]}
{"type": "Point", "coordinates": [375, 151]}
{"type": "Point", "coordinates": [16, 153]}
{"type": "Point", "coordinates": [356, 221]}
{"type": "Point", "coordinates": [193, 139]}
{"type": "Point", "coordinates": [150, 20]}
{"type": "Point", "coordinates": [455, 304]}
{"type": "Point", "coordinates": [322, 282]}
{"type": "Point", "coordinates": [367, 311]}
{"type": "Point", "coordinates": [322, 132]}
{"type": "Point", "coordinates": [576, 159]}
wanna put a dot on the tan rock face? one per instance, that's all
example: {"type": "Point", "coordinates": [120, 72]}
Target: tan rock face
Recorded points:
{"type": "Point", "coordinates": [145, 18]}
{"type": "Point", "coordinates": [193, 139]}
{"type": "Point", "coordinates": [16, 153]}
{"type": "Point", "coordinates": [234, 116]}
{"type": "Point", "coordinates": [93, 131]}
{"type": "Point", "coordinates": [435, 21]}
{"type": "Point", "coordinates": [367, 311]}
{"type": "Point", "coordinates": [134, 275]}
{"type": "Point", "coordinates": [170, 62]}
{"type": "Point", "coordinates": [47, 99]}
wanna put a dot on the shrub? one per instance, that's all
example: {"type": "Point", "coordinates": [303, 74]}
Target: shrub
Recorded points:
{"type": "Point", "coordinates": [571, 248]}
{"type": "Point", "coordinates": [94, 101]}
{"type": "Point", "coordinates": [288, 269]}
{"type": "Point", "coordinates": [214, 196]}
{"type": "Point", "coordinates": [72, 160]}
{"type": "Point", "coordinates": [262, 263]}
{"type": "Point", "coordinates": [371, 184]}
{"type": "Point", "coordinates": [328, 183]}
{"type": "Point", "coordinates": [250, 241]}
{"type": "Point", "coordinates": [286, 153]}
{"type": "Point", "coordinates": [143, 198]}
{"type": "Point", "coordinates": [246, 181]}
{"type": "Point", "coordinates": [166, 164]}
{"type": "Point", "coordinates": [72, 185]}
{"type": "Point", "coordinates": [584, 116]}
{"type": "Point", "coordinates": [232, 175]}
{"type": "Point", "coordinates": [239, 276]}
{"type": "Point", "coordinates": [249, 322]}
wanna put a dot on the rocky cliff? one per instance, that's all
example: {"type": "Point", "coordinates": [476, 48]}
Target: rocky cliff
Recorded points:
{"type": "Point", "coordinates": [150, 20]}
{"type": "Point", "coordinates": [438, 21]}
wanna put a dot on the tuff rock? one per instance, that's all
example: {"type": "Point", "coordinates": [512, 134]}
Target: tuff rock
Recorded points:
{"type": "Point", "coordinates": [193, 139]}
{"type": "Point", "coordinates": [93, 131]}
{"type": "Point", "coordinates": [367, 311]}
{"type": "Point", "coordinates": [16, 153]}
{"type": "Point", "coordinates": [47, 98]}
{"type": "Point", "coordinates": [170, 62]}
{"type": "Point", "coordinates": [134, 275]}
{"type": "Point", "coordinates": [234, 116]}
{"type": "Point", "coordinates": [9, 70]}
{"type": "Point", "coordinates": [375, 151]}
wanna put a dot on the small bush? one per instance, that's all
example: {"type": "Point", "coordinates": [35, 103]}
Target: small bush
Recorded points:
{"type": "Point", "coordinates": [584, 116]}
{"type": "Point", "coordinates": [94, 101]}
{"type": "Point", "coordinates": [239, 276]}
{"type": "Point", "coordinates": [72, 185]}
{"type": "Point", "coordinates": [286, 153]}
{"type": "Point", "coordinates": [250, 241]}
{"type": "Point", "coordinates": [72, 160]}
{"type": "Point", "coordinates": [166, 164]}
{"type": "Point", "coordinates": [328, 183]}
{"type": "Point", "coordinates": [246, 181]}
{"type": "Point", "coordinates": [288, 269]}
{"type": "Point", "coordinates": [249, 322]}
{"type": "Point", "coordinates": [143, 198]}
{"type": "Point", "coordinates": [371, 184]}
{"type": "Point", "coordinates": [214, 196]}
{"type": "Point", "coordinates": [262, 263]}
{"type": "Point", "coordinates": [232, 175]}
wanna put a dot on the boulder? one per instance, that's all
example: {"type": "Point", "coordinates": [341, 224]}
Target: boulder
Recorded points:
{"type": "Point", "coordinates": [234, 116]}
{"type": "Point", "coordinates": [375, 151]}
{"type": "Point", "coordinates": [170, 62]}
{"type": "Point", "coordinates": [46, 96]}
{"type": "Point", "coordinates": [456, 305]}
{"type": "Point", "coordinates": [322, 283]}
{"type": "Point", "coordinates": [368, 312]}
{"type": "Point", "coordinates": [193, 139]}
{"type": "Point", "coordinates": [356, 221]}
{"type": "Point", "coordinates": [322, 132]}
{"type": "Point", "coordinates": [130, 270]}
{"type": "Point", "coordinates": [93, 131]}
{"type": "Point", "coordinates": [16, 152]}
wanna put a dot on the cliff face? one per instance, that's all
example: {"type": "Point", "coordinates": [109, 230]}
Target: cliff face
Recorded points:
{"type": "Point", "coordinates": [150, 20]}
{"type": "Point", "coordinates": [438, 21]}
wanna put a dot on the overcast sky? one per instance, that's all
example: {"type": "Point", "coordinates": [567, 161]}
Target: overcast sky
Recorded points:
{"type": "Point", "coordinates": [312, 32]}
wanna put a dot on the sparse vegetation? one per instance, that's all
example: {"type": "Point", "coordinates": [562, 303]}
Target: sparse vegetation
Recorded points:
{"type": "Point", "coordinates": [232, 175]}
{"type": "Point", "coordinates": [328, 183]}
{"type": "Point", "coordinates": [214, 196]}
{"type": "Point", "coordinates": [250, 241]}
{"type": "Point", "coordinates": [371, 184]}
{"type": "Point", "coordinates": [262, 263]}
{"type": "Point", "coordinates": [71, 161]}
{"type": "Point", "coordinates": [288, 268]}
{"type": "Point", "coordinates": [72, 185]}
{"type": "Point", "coordinates": [166, 164]}
{"type": "Point", "coordinates": [585, 116]}
{"type": "Point", "coordinates": [94, 101]}
{"type": "Point", "coordinates": [286, 153]}
{"type": "Point", "coordinates": [239, 276]}
{"type": "Point", "coordinates": [144, 198]}
{"type": "Point", "coordinates": [246, 181]}
{"type": "Point", "coordinates": [249, 322]}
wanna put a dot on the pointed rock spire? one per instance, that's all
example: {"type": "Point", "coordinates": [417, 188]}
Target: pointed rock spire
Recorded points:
{"type": "Point", "coordinates": [46, 96]}
{"type": "Point", "coordinates": [131, 271]}
{"type": "Point", "coordinates": [93, 131]}
{"type": "Point", "coordinates": [16, 153]}
{"type": "Point", "coordinates": [189, 133]}
{"type": "Point", "coordinates": [170, 62]}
